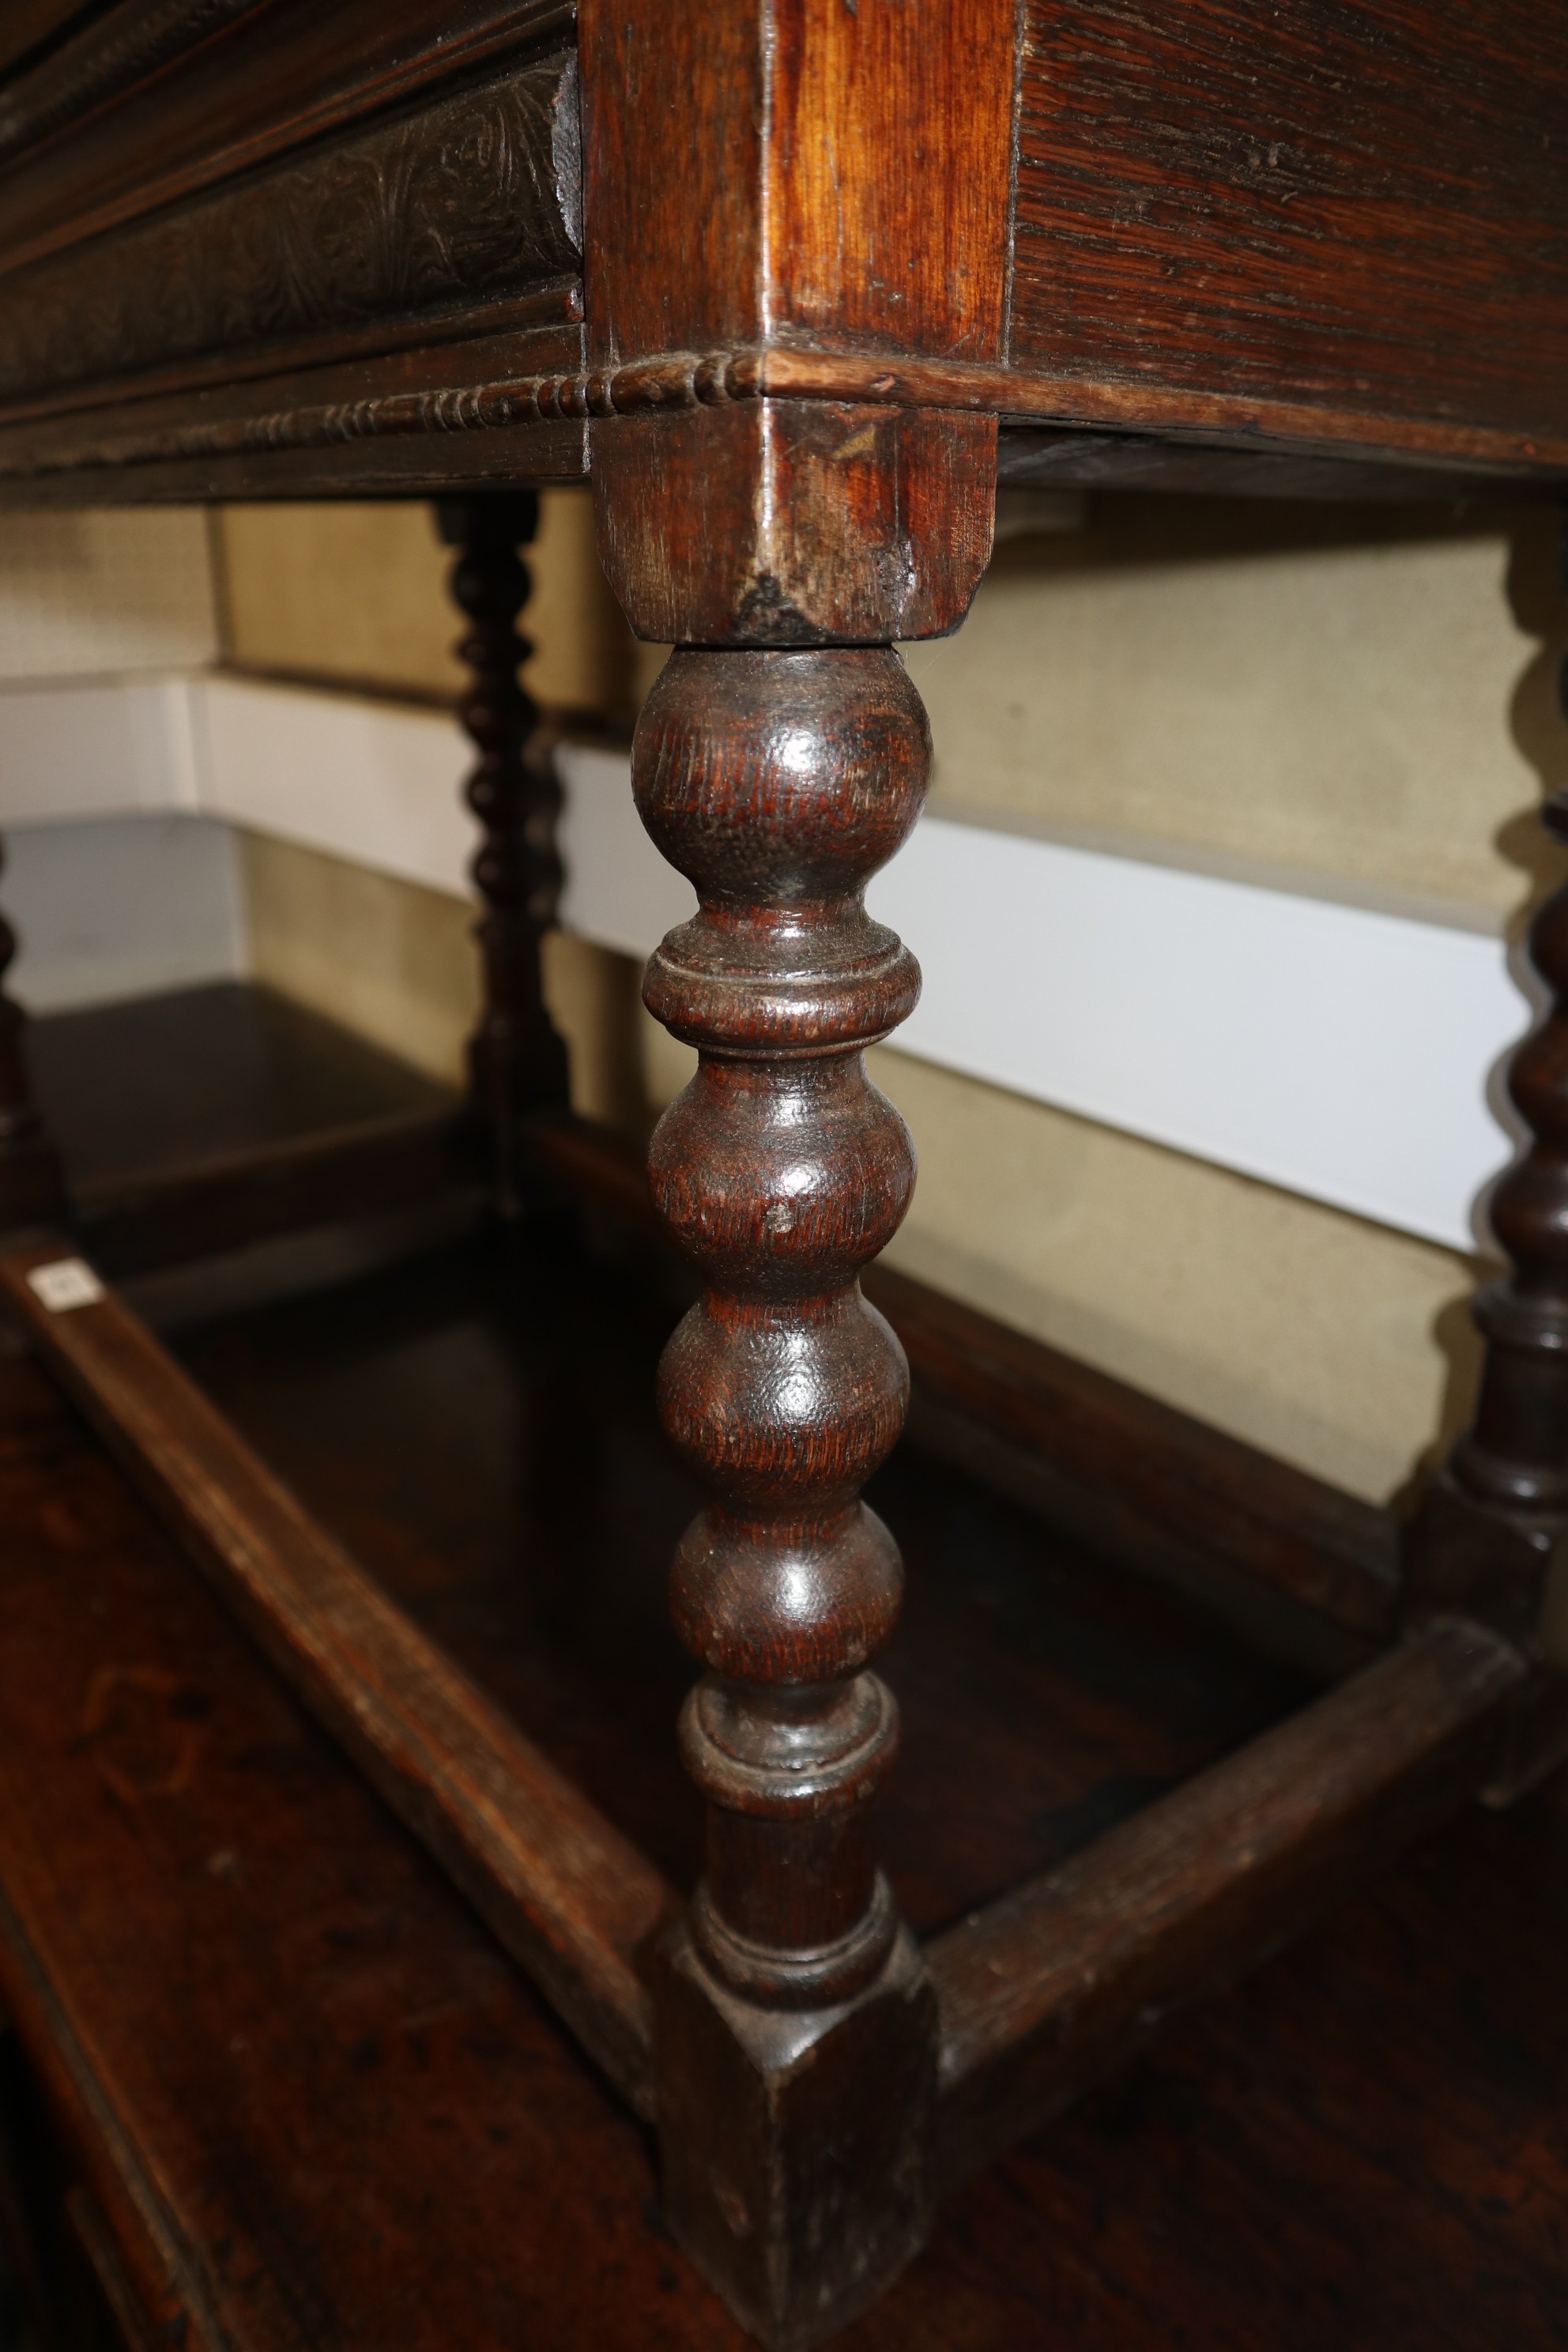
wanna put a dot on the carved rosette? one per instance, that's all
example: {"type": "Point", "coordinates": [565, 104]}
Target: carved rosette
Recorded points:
{"type": "Point", "coordinates": [516, 1060]}
{"type": "Point", "coordinates": [778, 782]}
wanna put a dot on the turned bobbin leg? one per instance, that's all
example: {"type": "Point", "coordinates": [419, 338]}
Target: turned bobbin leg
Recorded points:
{"type": "Point", "coordinates": [1492, 1528]}
{"type": "Point", "coordinates": [517, 1061]}
{"type": "Point", "coordinates": [1491, 1537]}
{"type": "Point", "coordinates": [796, 2025]}
{"type": "Point", "coordinates": [32, 1188]}
{"type": "Point", "coordinates": [781, 758]}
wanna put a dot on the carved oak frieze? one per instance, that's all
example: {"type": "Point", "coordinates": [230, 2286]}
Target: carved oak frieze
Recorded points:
{"type": "Point", "coordinates": [79, 77]}
{"type": "Point", "coordinates": [471, 199]}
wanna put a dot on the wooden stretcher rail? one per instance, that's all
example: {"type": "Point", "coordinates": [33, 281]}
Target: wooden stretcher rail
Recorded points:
{"type": "Point", "coordinates": [568, 1896]}
{"type": "Point", "coordinates": [1051, 1989]}
{"type": "Point", "coordinates": [1039, 1995]}
{"type": "Point", "coordinates": [370, 1169]}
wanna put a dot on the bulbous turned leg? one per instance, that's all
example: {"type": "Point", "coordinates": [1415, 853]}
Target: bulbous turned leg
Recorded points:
{"type": "Point", "coordinates": [517, 1061]}
{"type": "Point", "coordinates": [1491, 1537]}
{"type": "Point", "coordinates": [32, 1186]}
{"type": "Point", "coordinates": [795, 2031]}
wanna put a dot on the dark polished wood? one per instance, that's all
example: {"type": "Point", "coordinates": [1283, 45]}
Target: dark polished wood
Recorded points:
{"type": "Point", "coordinates": [1047, 300]}
{"type": "Point", "coordinates": [278, 76]}
{"type": "Point", "coordinates": [203, 1119]}
{"type": "Point", "coordinates": [1491, 1536]}
{"type": "Point", "coordinates": [570, 1897]}
{"type": "Point", "coordinates": [828, 253]}
{"type": "Point", "coordinates": [32, 1187]}
{"type": "Point", "coordinates": [1050, 1990]}
{"type": "Point", "coordinates": [129, 41]}
{"type": "Point", "coordinates": [243, 1987]}
{"type": "Point", "coordinates": [394, 219]}
{"type": "Point", "coordinates": [517, 1059]}
{"type": "Point", "coordinates": [34, 27]}
{"type": "Point", "coordinates": [478, 1430]}
{"type": "Point", "coordinates": [779, 760]}
{"type": "Point", "coordinates": [796, 2037]}
{"type": "Point", "coordinates": [1314, 207]}
{"type": "Point", "coordinates": [1302, 2155]}
{"type": "Point", "coordinates": [829, 127]}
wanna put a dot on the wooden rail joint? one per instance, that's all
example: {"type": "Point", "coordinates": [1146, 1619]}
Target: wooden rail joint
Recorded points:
{"type": "Point", "coordinates": [675, 383]}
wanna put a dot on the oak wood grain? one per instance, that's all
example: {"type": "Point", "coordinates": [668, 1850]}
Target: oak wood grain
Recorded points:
{"type": "Point", "coordinates": [1362, 2139]}
{"type": "Point", "coordinates": [38, 25]}
{"type": "Point", "coordinates": [794, 2028]}
{"type": "Point", "coordinates": [279, 76]}
{"type": "Point", "coordinates": [402, 421]}
{"type": "Point", "coordinates": [793, 522]}
{"type": "Point", "coordinates": [567, 1895]}
{"type": "Point", "coordinates": [810, 204]}
{"type": "Point", "coordinates": [1344, 205]}
{"type": "Point", "coordinates": [472, 198]}
{"type": "Point", "coordinates": [125, 45]}
{"type": "Point", "coordinates": [1063, 1980]}
{"type": "Point", "coordinates": [309, 2096]}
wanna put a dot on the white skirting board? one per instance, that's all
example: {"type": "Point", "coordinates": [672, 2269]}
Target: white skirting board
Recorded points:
{"type": "Point", "coordinates": [1336, 1050]}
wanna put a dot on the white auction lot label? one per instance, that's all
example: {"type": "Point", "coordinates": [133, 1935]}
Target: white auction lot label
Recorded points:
{"type": "Point", "coordinates": [64, 1282]}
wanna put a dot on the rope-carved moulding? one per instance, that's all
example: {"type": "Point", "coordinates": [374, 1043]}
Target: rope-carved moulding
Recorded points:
{"type": "Point", "coordinates": [682, 381]}
{"type": "Point", "coordinates": [476, 197]}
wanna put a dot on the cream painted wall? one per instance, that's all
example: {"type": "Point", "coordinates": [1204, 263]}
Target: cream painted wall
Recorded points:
{"type": "Point", "coordinates": [396, 963]}
{"type": "Point", "coordinates": [1294, 687]}
{"type": "Point", "coordinates": [100, 594]}
{"type": "Point", "coordinates": [385, 958]}
{"type": "Point", "coordinates": [1336, 1343]}
{"type": "Point", "coordinates": [359, 594]}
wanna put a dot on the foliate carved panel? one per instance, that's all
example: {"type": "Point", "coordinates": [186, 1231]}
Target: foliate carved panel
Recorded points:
{"type": "Point", "coordinates": [78, 78]}
{"type": "Point", "coordinates": [476, 197]}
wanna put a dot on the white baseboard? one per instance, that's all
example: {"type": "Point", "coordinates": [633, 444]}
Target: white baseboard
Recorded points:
{"type": "Point", "coordinates": [1336, 1050]}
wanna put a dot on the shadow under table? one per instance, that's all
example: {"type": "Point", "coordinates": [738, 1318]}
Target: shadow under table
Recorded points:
{"type": "Point", "coordinates": [201, 1121]}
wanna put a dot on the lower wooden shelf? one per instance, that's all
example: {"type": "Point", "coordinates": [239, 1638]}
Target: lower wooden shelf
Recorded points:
{"type": "Point", "coordinates": [203, 1119]}
{"type": "Point", "coordinates": [247, 1988]}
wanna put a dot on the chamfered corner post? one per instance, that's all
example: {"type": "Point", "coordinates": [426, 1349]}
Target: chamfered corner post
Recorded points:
{"type": "Point", "coordinates": [517, 1059]}
{"type": "Point", "coordinates": [781, 758]}
{"type": "Point", "coordinates": [32, 1184]}
{"type": "Point", "coordinates": [845, 185]}
{"type": "Point", "coordinates": [1489, 1536]}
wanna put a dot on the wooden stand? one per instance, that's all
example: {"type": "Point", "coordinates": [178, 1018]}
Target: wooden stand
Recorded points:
{"type": "Point", "coordinates": [780, 280]}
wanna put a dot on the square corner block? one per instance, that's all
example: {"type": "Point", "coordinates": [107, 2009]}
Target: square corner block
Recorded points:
{"type": "Point", "coordinates": [795, 2145]}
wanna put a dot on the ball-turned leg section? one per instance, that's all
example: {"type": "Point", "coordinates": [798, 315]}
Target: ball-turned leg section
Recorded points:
{"type": "Point", "coordinates": [516, 1060]}
{"type": "Point", "coordinates": [795, 2027]}
{"type": "Point", "coordinates": [1491, 1537]}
